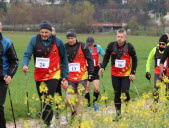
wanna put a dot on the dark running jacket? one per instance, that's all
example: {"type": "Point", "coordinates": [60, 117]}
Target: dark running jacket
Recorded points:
{"type": "Point", "coordinates": [111, 48]}
{"type": "Point", "coordinates": [8, 58]}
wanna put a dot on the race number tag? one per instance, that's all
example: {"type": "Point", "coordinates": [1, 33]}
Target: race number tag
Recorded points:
{"type": "Point", "coordinates": [74, 67]}
{"type": "Point", "coordinates": [158, 63]}
{"type": "Point", "coordinates": [42, 62]}
{"type": "Point", "coordinates": [120, 63]}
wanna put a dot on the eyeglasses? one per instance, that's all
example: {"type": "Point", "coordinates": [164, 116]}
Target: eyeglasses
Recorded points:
{"type": "Point", "coordinates": [161, 44]}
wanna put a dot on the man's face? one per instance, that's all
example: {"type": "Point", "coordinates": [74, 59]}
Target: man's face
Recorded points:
{"type": "Point", "coordinates": [71, 40]}
{"type": "Point", "coordinates": [162, 44]}
{"type": "Point", "coordinates": [121, 38]}
{"type": "Point", "coordinates": [45, 33]}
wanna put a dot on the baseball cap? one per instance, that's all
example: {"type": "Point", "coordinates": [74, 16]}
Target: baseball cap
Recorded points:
{"type": "Point", "coordinates": [90, 40]}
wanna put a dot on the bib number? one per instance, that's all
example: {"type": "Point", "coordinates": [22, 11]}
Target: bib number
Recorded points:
{"type": "Point", "coordinates": [42, 62]}
{"type": "Point", "coordinates": [74, 67]}
{"type": "Point", "coordinates": [120, 63]}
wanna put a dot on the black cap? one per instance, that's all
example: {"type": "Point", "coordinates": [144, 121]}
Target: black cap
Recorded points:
{"type": "Point", "coordinates": [70, 33]}
{"type": "Point", "coordinates": [90, 40]}
{"type": "Point", "coordinates": [164, 38]}
{"type": "Point", "coordinates": [45, 25]}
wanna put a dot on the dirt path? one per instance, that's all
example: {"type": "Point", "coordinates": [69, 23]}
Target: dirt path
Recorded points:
{"type": "Point", "coordinates": [36, 123]}
{"type": "Point", "coordinates": [24, 123]}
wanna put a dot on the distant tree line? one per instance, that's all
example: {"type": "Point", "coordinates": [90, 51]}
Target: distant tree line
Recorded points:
{"type": "Point", "coordinates": [79, 14]}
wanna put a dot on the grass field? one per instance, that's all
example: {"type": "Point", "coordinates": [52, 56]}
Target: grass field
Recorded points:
{"type": "Point", "coordinates": [142, 44]}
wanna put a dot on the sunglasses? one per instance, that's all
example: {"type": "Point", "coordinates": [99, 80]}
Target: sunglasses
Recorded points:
{"type": "Point", "coordinates": [161, 44]}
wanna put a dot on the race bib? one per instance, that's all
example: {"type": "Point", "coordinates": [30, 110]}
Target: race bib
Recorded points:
{"type": "Point", "coordinates": [74, 67]}
{"type": "Point", "coordinates": [42, 62]}
{"type": "Point", "coordinates": [120, 63]}
{"type": "Point", "coordinates": [158, 63]}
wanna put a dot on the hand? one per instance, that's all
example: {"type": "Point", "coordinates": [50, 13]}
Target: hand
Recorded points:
{"type": "Point", "coordinates": [132, 77]}
{"type": "Point", "coordinates": [90, 78]}
{"type": "Point", "coordinates": [148, 75]}
{"type": "Point", "coordinates": [101, 70]}
{"type": "Point", "coordinates": [161, 75]}
{"type": "Point", "coordinates": [8, 79]}
{"type": "Point", "coordinates": [25, 69]}
{"type": "Point", "coordinates": [64, 84]}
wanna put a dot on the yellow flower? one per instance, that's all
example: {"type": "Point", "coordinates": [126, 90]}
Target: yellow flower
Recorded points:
{"type": "Point", "coordinates": [26, 124]}
{"type": "Point", "coordinates": [69, 90]}
{"type": "Point", "coordinates": [107, 120]}
{"type": "Point", "coordinates": [103, 98]}
{"type": "Point", "coordinates": [43, 88]}
{"type": "Point", "coordinates": [165, 79]}
{"type": "Point", "coordinates": [123, 96]}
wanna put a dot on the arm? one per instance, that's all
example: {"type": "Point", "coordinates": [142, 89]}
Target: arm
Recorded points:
{"type": "Point", "coordinates": [150, 59]}
{"type": "Point", "coordinates": [63, 57]}
{"type": "Point", "coordinates": [88, 58]}
{"type": "Point", "coordinates": [100, 51]}
{"type": "Point", "coordinates": [28, 54]}
{"type": "Point", "coordinates": [12, 60]}
{"type": "Point", "coordinates": [133, 55]}
{"type": "Point", "coordinates": [29, 51]}
{"type": "Point", "coordinates": [107, 56]}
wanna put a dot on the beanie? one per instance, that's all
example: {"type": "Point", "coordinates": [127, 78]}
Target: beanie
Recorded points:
{"type": "Point", "coordinates": [90, 41]}
{"type": "Point", "coordinates": [164, 38]}
{"type": "Point", "coordinates": [45, 25]}
{"type": "Point", "coordinates": [71, 33]}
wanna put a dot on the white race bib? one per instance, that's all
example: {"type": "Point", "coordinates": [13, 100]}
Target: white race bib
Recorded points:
{"type": "Point", "coordinates": [120, 63]}
{"type": "Point", "coordinates": [158, 63]}
{"type": "Point", "coordinates": [42, 62]}
{"type": "Point", "coordinates": [74, 67]}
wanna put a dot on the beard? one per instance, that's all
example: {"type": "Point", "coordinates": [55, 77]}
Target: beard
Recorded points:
{"type": "Point", "coordinates": [161, 49]}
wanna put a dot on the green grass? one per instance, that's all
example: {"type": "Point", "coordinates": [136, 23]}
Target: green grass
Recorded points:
{"type": "Point", "coordinates": [142, 44]}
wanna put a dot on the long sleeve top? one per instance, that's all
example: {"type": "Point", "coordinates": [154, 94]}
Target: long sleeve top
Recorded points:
{"type": "Point", "coordinates": [72, 51]}
{"type": "Point", "coordinates": [110, 49]}
{"type": "Point", "coordinates": [62, 51]}
{"type": "Point", "coordinates": [9, 60]}
{"type": "Point", "coordinates": [165, 55]}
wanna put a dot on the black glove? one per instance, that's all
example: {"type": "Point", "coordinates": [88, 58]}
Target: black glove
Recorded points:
{"type": "Point", "coordinates": [90, 78]}
{"type": "Point", "coordinates": [148, 75]}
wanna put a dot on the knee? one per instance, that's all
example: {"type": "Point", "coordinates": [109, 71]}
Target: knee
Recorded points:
{"type": "Point", "coordinates": [117, 94]}
{"type": "Point", "coordinates": [127, 95]}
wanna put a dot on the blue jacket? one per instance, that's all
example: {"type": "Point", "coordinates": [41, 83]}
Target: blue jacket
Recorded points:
{"type": "Point", "coordinates": [63, 55]}
{"type": "Point", "coordinates": [8, 58]}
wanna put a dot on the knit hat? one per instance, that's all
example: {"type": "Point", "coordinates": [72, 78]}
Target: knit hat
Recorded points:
{"type": "Point", "coordinates": [71, 33]}
{"type": "Point", "coordinates": [90, 40]}
{"type": "Point", "coordinates": [45, 25]}
{"type": "Point", "coordinates": [164, 38]}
